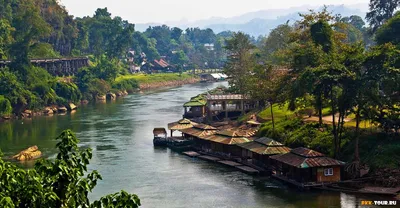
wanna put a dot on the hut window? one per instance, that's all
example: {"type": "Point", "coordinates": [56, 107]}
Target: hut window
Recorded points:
{"type": "Point", "coordinates": [328, 171]}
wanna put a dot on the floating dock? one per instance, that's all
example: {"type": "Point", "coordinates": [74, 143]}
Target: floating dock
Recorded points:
{"type": "Point", "coordinates": [209, 158]}
{"type": "Point", "coordinates": [229, 163]}
{"type": "Point", "coordinates": [191, 154]}
{"type": "Point", "coordinates": [248, 169]}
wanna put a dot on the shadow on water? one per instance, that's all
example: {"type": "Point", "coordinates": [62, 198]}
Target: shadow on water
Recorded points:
{"type": "Point", "coordinates": [120, 135]}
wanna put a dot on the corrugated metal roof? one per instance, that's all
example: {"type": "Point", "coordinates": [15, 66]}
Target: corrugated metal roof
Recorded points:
{"type": "Point", "coordinates": [305, 152]}
{"type": "Point", "coordinates": [227, 97]}
{"type": "Point", "coordinates": [204, 127]}
{"type": "Point", "coordinates": [194, 104]}
{"type": "Point", "coordinates": [300, 161]}
{"type": "Point", "coordinates": [230, 133]}
{"type": "Point", "coordinates": [200, 131]}
{"type": "Point", "coordinates": [268, 141]}
{"type": "Point", "coordinates": [181, 124]}
{"type": "Point", "coordinates": [263, 149]}
{"type": "Point", "coordinates": [224, 139]}
{"type": "Point", "coordinates": [216, 76]}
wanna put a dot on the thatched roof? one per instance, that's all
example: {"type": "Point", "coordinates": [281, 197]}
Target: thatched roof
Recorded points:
{"type": "Point", "coordinates": [181, 124]}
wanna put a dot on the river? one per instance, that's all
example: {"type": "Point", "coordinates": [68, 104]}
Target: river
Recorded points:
{"type": "Point", "coordinates": [120, 134]}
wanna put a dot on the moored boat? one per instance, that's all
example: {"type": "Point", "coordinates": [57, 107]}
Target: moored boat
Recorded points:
{"type": "Point", "coordinates": [160, 137]}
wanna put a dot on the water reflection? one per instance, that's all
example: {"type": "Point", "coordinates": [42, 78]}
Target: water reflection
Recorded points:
{"type": "Point", "coordinates": [120, 134]}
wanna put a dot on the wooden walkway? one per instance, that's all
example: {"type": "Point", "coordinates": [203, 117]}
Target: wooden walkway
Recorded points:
{"type": "Point", "coordinates": [209, 158]}
{"type": "Point", "coordinates": [248, 170]}
{"type": "Point", "coordinates": [191, 154]}
{"type": "Point", "coordinates": [229, 163]}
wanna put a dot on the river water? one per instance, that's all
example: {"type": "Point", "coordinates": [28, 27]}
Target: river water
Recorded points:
{"type": "Point", "coordinates": [120, 134]}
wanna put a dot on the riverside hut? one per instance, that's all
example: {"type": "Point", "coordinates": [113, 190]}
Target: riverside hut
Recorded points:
{"type": "Point", "coordinates": [198, 133]}
{"type": "Point", "coordinates": [306, 167]}
{"type": "Point", "coordinates": [259, 150]}
{"type": "Point", "coordinates": [225, 141]}
{"type": "Point", "coordinates": [180, 125]}
{"type": "Point", "coordinates": [196, 107]}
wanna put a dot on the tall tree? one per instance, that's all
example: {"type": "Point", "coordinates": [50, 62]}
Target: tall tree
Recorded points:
{"type": "Point", "coordinates": [29, 29]}
{"type": "Point", "coordinates": [239, 63]}
{"type": "Point", "coordinates": [389, 32]}
{"type": "Point", "coordinates": [380, 12]}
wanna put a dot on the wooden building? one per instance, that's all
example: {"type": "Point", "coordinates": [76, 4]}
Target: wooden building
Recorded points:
{"type": "Point", "coordinates": [161, 65]}
{"type": "Point", "coordinates": [180, 125]}
{"type": "Point", "coordinates": [196, 107]}
{"type": "Point", "coordinates": [228, 106]}
{"type": "Point", "coordinates": [307, 166]}
{"type": "Point", "coordinates": [198, 133]}
{"type": "Point", "coordinates": [225, 141]}
{"type": "Point", "coordinates": [259, 151]}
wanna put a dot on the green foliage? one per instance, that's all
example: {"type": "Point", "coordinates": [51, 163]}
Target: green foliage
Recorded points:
{"type": "Point", "coordinates": [380, 12]}
{"type": "Point", "coordinates": [126, 84]}
{"type": "Point", "coordinates": [29, 28]}
{"type": "Point", "coordinates": [15, 92]}
{"type": "Point", "coordinates": [5, 106]}
{"type": "Point", "coordinates": [63, 182]}
{"type": "Point", "coordinates": [105, 69]}
{"type": "Point", "coordinates": [322, 34]}
{"type": "Point", "coordinates": [46, 93]}
{"type": "Point", "coordinates": [296, 133]}
{"type": "Point", "coordinates": [5, 37]}
{"type": "Point", "coordinates": [67, 90]}
{"type": "Point", "coordinates": [378, 150]}
{"type": "Point", "coordinates": [83, 78]}
{"type": "Point", "coordinates": [42, 50]}
{"type": "Point", "coordinates": [240, 62]}
{"type": "Point", "coordinates": [388, 33]}
{"type": "Point", "coordinates": [98, 87]}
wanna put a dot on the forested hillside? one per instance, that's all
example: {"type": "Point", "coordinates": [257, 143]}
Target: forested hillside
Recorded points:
{"type": "Point", "coordinates": [44, 29]}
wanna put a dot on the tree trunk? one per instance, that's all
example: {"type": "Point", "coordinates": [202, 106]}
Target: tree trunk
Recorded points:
{"type": "Point", "coordinates": [356, 150]}
{"type": "Point", "coordinates": [272, 117]}
{"type": "Point", "coordinates": [334, 131]}
{"type": "Point", "coordinates": [319, 107]}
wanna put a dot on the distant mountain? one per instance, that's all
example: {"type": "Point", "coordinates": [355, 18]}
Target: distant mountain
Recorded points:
{"type": "Point", "coordinates": [260, 22]}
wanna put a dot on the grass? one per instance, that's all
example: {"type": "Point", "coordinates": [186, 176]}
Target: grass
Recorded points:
{"type": "Point", "coordinates": [153, 78]}
{"type": "Point", "coordinates": [280, 112]}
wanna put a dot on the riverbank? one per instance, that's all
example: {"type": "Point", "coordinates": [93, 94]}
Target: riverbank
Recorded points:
{"type": "Point", "coordinates": [152, 81]}
{"type": "Point", "coordinates": [141, 81]}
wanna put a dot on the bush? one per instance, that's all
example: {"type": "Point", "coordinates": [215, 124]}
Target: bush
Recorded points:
{"type": "Point", "coordinates": [42, 50]}
{"type": "Point", "coordinates": [5, 106]}
{"type": "Point", "coordinates": [16, 92]}
{"type": "Point", "coordinates": [61, 182]}
{"type": "Point", "coordinates": [295, 133]}
{"type": "Point", "coordinates": [46, 93]}
{"type": "Point", "coordinates": [68, 91]}
{"type": "Point", "coordinates": [98, 87]}
{"type": "Point", "coordinates": [126, 84]}
{"type": "Point", "coordinates": [37, 75]}
{"type": "Point", "coordinates": [83, 78]}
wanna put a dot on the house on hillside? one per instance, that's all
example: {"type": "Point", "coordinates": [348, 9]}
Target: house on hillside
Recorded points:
{"type": "Point", "coordinates": [305, 167]}
{"type": "Point", "coordinates": [161, 65]}
{"type": "Point", "coordinates": [209, 46]}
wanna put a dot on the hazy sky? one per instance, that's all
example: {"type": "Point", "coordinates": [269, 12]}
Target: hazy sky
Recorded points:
{"type": "Point", "coordinates": [160, 11]}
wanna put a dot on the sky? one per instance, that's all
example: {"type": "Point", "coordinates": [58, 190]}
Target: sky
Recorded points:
{"type": "Point", "coordinates": [161, 11]}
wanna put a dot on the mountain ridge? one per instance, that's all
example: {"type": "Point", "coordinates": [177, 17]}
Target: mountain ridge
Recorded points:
{"type": "Point", "coordinates": [259, 22]}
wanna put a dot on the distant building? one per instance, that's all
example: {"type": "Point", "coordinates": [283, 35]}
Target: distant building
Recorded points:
{"type": "Point", "coordinates": [209, 46]}
{"type": "Point", "coordinates": [161, 65]}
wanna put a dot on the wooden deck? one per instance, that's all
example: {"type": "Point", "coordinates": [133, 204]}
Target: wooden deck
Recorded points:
{"type": "Point", "coordinates": [191, 154]}
{"type": "Point", "coordinates": [229, 163]}
{"type": "Point", "coordinates": [248, 169]}
{"type": "Point", "coordinates": [209, 158]}
{"type": "Point", "coordinates": [298, 184]}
